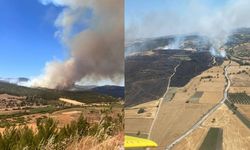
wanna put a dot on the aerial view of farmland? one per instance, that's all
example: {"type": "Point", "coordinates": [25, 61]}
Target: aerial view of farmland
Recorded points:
{"type": "Point", "coordinates": [188, 74]}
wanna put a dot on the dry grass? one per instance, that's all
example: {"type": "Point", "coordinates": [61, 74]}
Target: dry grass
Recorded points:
{"type": "Point", "coordinates": [70, 101]}
{"type": "Point", "coordinates": [92, 143]}
{"type": "Point", "coordinates": [174, 119]}
{"type": "Point", "coordinates": [188, 143]}
{"type": "Point", "coordinates": [244, 109]}
{"type": "Point", "coordinates": [240, 81]}
{"type": "Point", "coordinates": [235, 134]}
{"type": "Point", "coordinates": [133, 125]}
{"type": "Point", "coordinates": [149, 107]}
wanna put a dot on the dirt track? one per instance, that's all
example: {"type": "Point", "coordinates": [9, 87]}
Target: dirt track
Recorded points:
{"type": "Point", "coordinates": [177, 117]}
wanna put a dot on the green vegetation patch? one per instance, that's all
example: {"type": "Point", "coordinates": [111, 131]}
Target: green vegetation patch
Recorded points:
{"type": "Point", "coordinates": [47, 109]}
{"type": "Point", "coordinates": [213, 140]}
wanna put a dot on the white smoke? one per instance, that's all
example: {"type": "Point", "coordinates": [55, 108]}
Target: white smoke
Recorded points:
{"type": "Point", "coordinates": [215, 23]}
{"type": "Point", "coordinates": [175, 44]}
{"type": "Point", "coordinates": [96, 51]}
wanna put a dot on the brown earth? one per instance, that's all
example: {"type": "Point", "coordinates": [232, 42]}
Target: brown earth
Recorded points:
{"type": "Point", "coordinates": [235, 134]}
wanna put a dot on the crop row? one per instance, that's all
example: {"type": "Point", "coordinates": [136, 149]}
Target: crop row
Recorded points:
{"type": "Point", "coordinates": [239, 98]}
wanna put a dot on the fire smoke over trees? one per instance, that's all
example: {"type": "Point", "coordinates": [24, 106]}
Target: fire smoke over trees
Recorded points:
{"type": "Point", "coordinates": [96, 52]}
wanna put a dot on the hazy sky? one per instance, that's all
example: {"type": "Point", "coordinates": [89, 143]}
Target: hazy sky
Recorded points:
{"type": "Point", "coordinates": [144, 18]}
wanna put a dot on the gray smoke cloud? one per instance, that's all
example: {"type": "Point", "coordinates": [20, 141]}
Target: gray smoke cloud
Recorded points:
{"type": "Point", "coordinates": [96, 52]}
{"type": "Point", "coordinates": [215, 23]}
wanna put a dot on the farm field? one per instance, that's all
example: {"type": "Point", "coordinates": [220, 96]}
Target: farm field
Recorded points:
{"type": "Point", "coordinates": [244, 110]}
{"type": "Point", "coordinates": [231, 125]}
{"type": "Point", "coordinates": [188, 104]}
{"type": "Point", "coordinates": [174, 119]}
{"type": "Point", "coordinates": [206, 139]}
{"type": "Point", "coordinates": [149, 109]}
{"type": "Point", "coordinates": [213, 139]}
{"type": "Point", "coordinates": [135, 125]}
{"type": "Point", "coordinates": [209, 84]}
{"type": "Point", "coordinates": [240, 76]}
{"type": "Point", "coordinates": [140, 122]}
{"type": "Point", "coordinates": [239, 98]}
{"type": "Point", "coordinates": [188, 143]}
{"type": "Point", "coordinates": [178, 111]}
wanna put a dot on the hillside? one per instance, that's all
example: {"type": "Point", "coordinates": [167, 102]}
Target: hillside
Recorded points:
{"type": "Point", "coordinates": [196, 42]}
{"type": "Point", "coordinates": [49, 94]}
{"type": "Point", "coordinates": [147, 73]}
{"type": "Point", "coordinates": [112, 90]}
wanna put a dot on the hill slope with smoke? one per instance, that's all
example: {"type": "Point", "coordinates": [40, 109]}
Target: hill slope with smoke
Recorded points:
{"type": "Point", "coordinates": [95, 52]}
{"type": "Point", "coordinates": [197, 17]}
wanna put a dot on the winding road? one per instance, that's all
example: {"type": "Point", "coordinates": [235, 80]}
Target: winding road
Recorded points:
{"type": "Point", "coordinates": [160, 102]}
{"type": "Point", "coordinates": [199, 122]}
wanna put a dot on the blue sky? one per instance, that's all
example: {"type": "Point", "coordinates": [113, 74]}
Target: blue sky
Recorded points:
{"type": "Point", "coordinates": [27, 38]}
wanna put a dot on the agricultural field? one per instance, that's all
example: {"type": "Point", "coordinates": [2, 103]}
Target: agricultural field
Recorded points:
{"type": "Point", "coordinates": [148, 108]}
{"type": "Point", "coordinates": [227, 121]}
{"type": "Point", "coordinates": [137, 125]}
{"type": "Point", "coordinates": [239, 92]}
{"type": "Point", "coordinates": [180, 108]}
{"type": "Point", "coordinates": [206, 88]}
{"type": "Point", "coordinates": [239, 98]}
{"type": "Point", "coordinates": [139, 118]}
{"type": "Point", "coordinates": [239, 76]}
{"type": "Point", "coordinates": [174, 119]}
{"type": "Point", "coordinates": [197, 135]}
{"type": "Point", "coordinates": [188, 104]}
{"type": "Point", "coordinates": [244, 110]}
{"type": "Point", "coordinates": [213, 140]}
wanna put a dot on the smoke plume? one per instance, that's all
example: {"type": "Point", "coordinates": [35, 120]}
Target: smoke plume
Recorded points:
{"type": "Point", "coordinates": [192, 16]}
{"type": "Point", "coordinates": [96, 51]}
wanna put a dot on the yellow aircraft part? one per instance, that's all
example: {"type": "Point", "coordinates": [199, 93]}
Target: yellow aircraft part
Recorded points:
{"type": "Point", "coordinates": [134, 142]}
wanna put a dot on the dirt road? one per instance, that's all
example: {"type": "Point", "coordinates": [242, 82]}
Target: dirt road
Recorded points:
{"type": "Point", "coordinates": [199, 122]}
{"type": "Point", "coordinates": [160, 102]}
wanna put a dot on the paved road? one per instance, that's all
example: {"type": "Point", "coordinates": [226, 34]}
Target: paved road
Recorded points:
{"type": "Point", "coordinates": [160, 102]}
{"type": "Point", "coordinates": [197, 124]}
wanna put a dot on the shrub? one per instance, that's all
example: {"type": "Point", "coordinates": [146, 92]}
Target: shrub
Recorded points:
{"type": "Point", "coordinates": [141, 110]}
{"type": "Point", "coordinates": [50, 136]}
